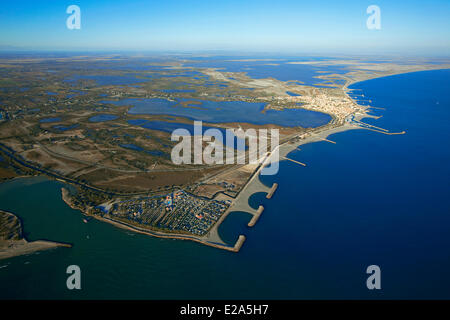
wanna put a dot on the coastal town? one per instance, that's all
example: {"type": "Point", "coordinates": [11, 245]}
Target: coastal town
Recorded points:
{"type": "Point", "coordinates": [339, 106]}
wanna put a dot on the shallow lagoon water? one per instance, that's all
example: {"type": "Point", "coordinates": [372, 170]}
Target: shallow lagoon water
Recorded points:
{"type": "Point", "coordinates": [131, 146]}
{"type": "Point", "coordinates": [134, 147]}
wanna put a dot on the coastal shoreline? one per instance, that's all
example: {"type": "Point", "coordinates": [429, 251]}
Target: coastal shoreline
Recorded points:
{"type": "Point", "coordinates": [378, 76]}
{"type": "Point", "coordinates": [240, 203]}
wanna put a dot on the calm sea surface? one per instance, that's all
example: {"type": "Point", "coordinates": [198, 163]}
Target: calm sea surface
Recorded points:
{"type": "Point", "coordinates": [369, 199]}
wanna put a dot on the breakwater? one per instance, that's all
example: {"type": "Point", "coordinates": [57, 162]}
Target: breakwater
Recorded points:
{"type": "Point", "coordinates": [272, 190]}
{"type": "Point", "coordinates": [256, 216]}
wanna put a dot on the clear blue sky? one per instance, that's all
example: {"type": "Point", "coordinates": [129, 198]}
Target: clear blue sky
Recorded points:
{"type": "Point", "coordinates": [407, 27]}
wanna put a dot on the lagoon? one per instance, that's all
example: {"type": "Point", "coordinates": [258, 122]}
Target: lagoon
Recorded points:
{"type": "Point", "coordinates": [103, 118]}
{"type": "Point", "coordinates": [49, 120]}
{"type": "Point", "coordinates": [226, 111]}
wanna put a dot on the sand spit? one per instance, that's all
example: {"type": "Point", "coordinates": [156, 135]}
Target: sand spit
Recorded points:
{"type": "Point", "coordinates": [12, 242]}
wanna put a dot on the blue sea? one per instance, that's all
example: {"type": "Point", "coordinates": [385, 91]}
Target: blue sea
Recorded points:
{"type": "Point", "coordinates": [368, 199]}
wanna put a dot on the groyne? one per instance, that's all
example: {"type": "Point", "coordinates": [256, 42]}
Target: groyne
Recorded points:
{"type": "Point", "coordinates": [272, 190]}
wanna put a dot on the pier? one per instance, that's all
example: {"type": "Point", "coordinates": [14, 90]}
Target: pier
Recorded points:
{"type": "Point", "coordinates": [256, 216]}
{"type": "Point", "coordinates": [295, 161]}
{"type": "Point", "coordinates": [272, 191]}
